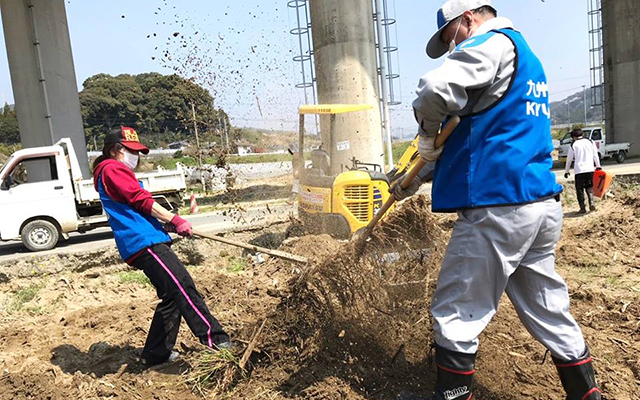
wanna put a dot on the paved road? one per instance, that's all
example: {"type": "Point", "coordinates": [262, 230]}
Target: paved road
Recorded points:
{"type": "Point", "coordinates": [103, 237]}
{"type": "Point", "coordinates": [273, 169]}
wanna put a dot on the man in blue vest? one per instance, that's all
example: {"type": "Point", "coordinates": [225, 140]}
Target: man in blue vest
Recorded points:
{"type": "Point", "coordinates": [495, 173]}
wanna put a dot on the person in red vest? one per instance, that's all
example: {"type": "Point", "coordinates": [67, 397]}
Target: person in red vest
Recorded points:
{"type": "Point", "coordinates": [136, 220]}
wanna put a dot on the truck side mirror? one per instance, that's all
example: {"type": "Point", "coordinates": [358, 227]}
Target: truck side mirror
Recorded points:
{"type": "Point", "coordinates": [6, 183]}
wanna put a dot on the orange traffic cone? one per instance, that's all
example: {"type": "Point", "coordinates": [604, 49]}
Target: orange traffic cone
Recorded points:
{"type": "Point", "coordinates": [194, 209]}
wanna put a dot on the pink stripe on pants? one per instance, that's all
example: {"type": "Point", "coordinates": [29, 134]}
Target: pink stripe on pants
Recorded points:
{"type": "Point", "coordinates": [184, 293]}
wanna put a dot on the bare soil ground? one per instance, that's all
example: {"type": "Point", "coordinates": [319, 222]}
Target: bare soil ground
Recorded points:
{"type": "Point", "coordinates": [344, 327]}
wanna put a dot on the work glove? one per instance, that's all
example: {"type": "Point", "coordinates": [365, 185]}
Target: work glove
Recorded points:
{"type": "Point", "coordinates": [182, 226]}
{"type": "Point", "coordinates": [567, 174]}
{"type": "Point", "coordinates": [400, 194]}
{"type": "Point", "coordinates": [426, 148]}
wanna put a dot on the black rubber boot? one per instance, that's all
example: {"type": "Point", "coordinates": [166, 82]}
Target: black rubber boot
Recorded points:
{"type": "Point", "coordinates": [592, 202]}
{"type": "Point", "coordinates": [580, 195]}
{"type": "Point", "coordinates": [578, 378]}
{"type": "Point", "coordinates": [455, 375]}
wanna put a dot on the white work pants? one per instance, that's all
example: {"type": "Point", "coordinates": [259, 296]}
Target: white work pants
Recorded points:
{"type": "Point", "coordinates": [512, 249]}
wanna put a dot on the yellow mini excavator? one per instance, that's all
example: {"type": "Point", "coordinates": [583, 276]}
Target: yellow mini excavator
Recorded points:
{"type": "Point", "coordinates": [342, 204]}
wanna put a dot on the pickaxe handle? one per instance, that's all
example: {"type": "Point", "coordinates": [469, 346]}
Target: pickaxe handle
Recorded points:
{"type": "Point", "coordinates": [275, 253]}
{"type": "Point", "coordinates": [411, 175]}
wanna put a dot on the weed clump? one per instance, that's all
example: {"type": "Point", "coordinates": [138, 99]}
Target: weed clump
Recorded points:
{"type": "Point", "coordinates": [211, 370]}
{"type": "Point", "coordinates": [21, 298]}
{"type": "Point", "coordinates": [134, 277]}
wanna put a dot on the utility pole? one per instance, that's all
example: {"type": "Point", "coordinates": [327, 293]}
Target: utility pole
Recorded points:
{"type": "Point", "coordinates": [220, 130]}
{"type": "Point", "coordinates": [226, 132]}
{"type": "Point", "coordinates": [195, 128]}
{"type": "Point", "coordinates": [584, 100]}
{"type": "Point", "coordinates": [569, 112]}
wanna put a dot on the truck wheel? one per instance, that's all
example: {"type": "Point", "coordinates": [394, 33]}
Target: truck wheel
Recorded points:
{"type": "Point", "coordinates": [621, 156]}
{"type": "Point", "coordinates": [40, 235]}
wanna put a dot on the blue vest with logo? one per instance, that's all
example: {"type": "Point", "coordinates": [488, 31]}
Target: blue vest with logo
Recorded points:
{"type": "Point", "coordinates": [132, 230]}
{"type": "Point", "coordinates": [501, 155]}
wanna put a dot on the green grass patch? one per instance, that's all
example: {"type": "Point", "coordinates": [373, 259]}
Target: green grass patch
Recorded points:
{"type": "Point", "coordinates": [613, 280]}
{"type": "Point", "coordinates": [22, 297]}
{"type": "Point", "coordinates": [237, 265]}
{"type": "Point", "coordinates": [134, 277]}
{"type": "Point", "coordinates": [398, 150]}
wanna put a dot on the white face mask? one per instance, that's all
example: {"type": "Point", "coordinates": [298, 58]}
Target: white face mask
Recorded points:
{"type": "Point", "coordinates": [130, 160]}
{"type": "Point", "coordinates": [452, 44]}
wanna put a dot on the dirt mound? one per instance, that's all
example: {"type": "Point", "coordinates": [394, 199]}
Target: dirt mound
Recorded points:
{"type": "Point", "coordinates": [609, 237]}
{"type": "Point", "coordinates": [394, 269]}
{"type": "Point", "coordinates": [315, 247]}
{"type": "Point", "coordinates": [360, 317]}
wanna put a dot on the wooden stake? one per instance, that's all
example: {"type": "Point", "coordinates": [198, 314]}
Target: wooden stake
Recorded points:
{"type": "Point", "coordinates": [231, 370]}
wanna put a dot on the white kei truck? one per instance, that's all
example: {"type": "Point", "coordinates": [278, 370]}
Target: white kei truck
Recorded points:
{"type": "Point", "coordinates": [597, 135]}
{"type": "Point", "coordinates": [43, 195]}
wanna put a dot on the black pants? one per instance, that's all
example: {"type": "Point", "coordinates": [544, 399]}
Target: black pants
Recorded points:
{"type": "Point", "coordinates": [584, 183]}
{"type": "Point", "coordinates": [179, 299]}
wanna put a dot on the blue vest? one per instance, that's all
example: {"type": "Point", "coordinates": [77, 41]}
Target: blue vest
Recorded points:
{"type": "Point", "coordinates": [501, 155]}
{"type": "Point", "coordinates": [132, 230]}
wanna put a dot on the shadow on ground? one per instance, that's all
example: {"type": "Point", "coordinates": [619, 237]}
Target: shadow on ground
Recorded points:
{"type": "Point", "coordinates": [368, 368]}
{"type": "Point", "coordinates": [105, 359]}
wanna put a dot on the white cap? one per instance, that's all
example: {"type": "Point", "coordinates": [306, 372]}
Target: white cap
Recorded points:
{"type": "Point", "coordinates": [449, 11]}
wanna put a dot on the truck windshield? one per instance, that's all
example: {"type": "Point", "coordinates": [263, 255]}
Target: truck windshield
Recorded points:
{"type": "Point", "coordinates": [566, 139]}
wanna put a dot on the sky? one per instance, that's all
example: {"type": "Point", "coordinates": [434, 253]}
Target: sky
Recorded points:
{"type": "Point", "coordinates": [242, 50]}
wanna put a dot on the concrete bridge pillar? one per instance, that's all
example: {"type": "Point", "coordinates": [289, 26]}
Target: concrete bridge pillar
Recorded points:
{"type": "Point", "coordinates": [346, 70]}
{"type": "Point", "coordinates": [43, 74]}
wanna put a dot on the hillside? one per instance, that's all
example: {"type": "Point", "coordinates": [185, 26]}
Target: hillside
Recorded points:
{"type": "Point", "coordinates": [571, 109]}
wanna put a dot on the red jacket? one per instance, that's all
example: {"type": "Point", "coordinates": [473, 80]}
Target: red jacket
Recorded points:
{"type": "Point", "coordinates": [122, 186]}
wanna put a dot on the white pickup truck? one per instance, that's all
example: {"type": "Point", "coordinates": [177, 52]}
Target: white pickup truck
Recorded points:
{"type": "Point", "coordinates": [597, 135]}
{"type": "Point", "coordinates": [43, 195]}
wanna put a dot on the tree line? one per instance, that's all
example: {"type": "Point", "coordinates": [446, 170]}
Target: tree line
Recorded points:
{"type": "Point", "coordinates": [158, 106]}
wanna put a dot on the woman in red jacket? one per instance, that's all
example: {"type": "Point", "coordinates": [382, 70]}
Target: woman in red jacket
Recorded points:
{"type": "Point", "coordinates": [143, 243]}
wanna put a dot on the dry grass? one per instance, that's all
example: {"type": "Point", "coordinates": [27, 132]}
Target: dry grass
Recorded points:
{"type": "Point", "coordinates": [210, 369]}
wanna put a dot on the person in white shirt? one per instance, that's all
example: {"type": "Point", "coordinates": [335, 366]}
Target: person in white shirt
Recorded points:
{"type": "Point", "coordinates": [584, 155]}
